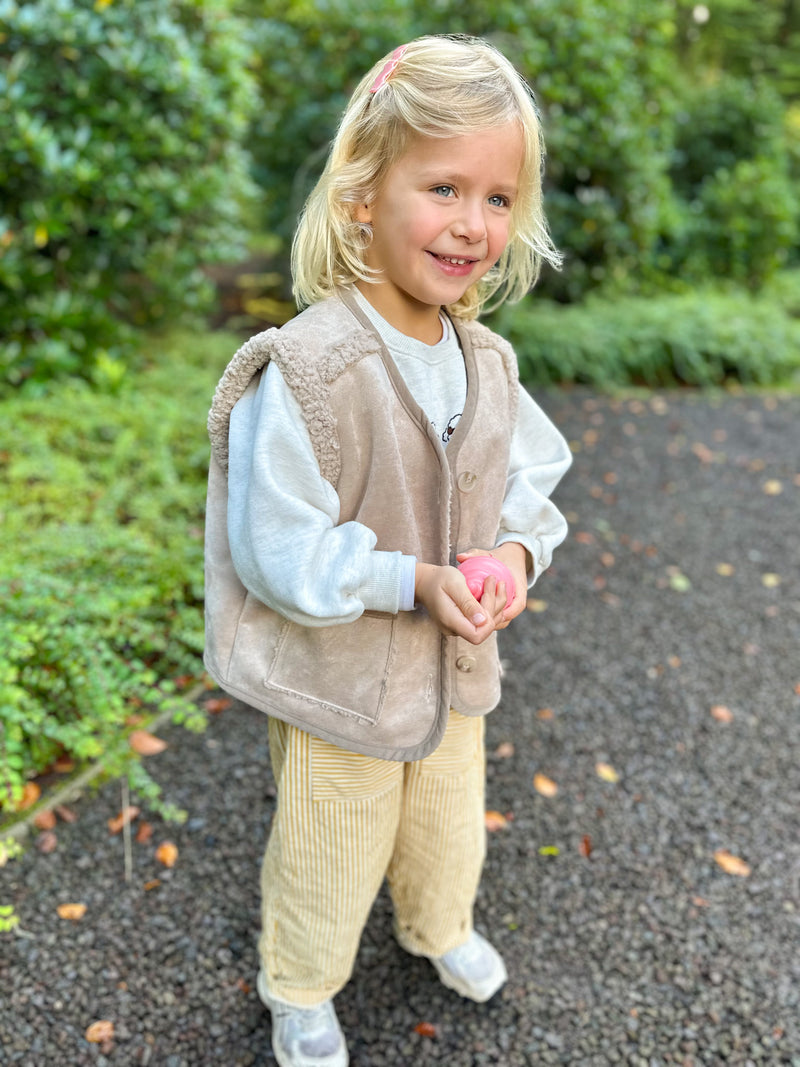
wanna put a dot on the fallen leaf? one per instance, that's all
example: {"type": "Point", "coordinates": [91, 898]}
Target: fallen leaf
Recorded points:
{"type": "Point", "coordinates": [64, 765]}
{"type": "Point", "coordinates": [146, 744]}
{"type": "Point", "coordinates": [243, 986]}
{"type": "Point", "coordinates": [144, 833]}
{"type": "Point", "coordinates": [725, 569]}
{"type": "Point", "coordinates": [126, 816]}
{"type": "Point", "coordinates": [679, 582]}
{"type": "Point", "coordinates": [674, 661]}
{"type": "Point", "coordinates": [65, 814]}
{"type": "Point", "coordinates": [731, 864]}
{"type": "Point", "coordinates": [495, 821]}
{"type": "Point", "coordinates": [217, 704]}
{"type": "Point", "coordinates": [549, 850]}
{"type": "Point", "coordinates": [607, 559]}
{"type": "Point", "coordinates": [100, 1032]}
{"type": "Point", "coordinates": [703, 452]}
{"type": "Point", "coordinates": [504, 750]}
{"type": "Point", "coordinates": [606, 772]}
{"type": "Point", "coordinates": [30, 794]}
{"type": "Point", "coordinates": [700, 902]}
{"type": "Point", "coordinates": [536, 606]}
{"type": "Point", "coordinates": [583, 537]}
{"type": "Point", "coordinates": [585, 847]}
{"type": "Point", "coordinates": [74, 912]}
{"type": "Point", "coordinates": [425, 1029]}
{"type": "Point", "coordinates": [45, 820]}
{"type": "Point", "coordinates": [773, 487]}
{"type": "Point", "coordinates": [167, 853]}
{"type": "Point", "coordinates": [154, 883]}
{"type": "Point", "coordinates": [545, 714]}
{"type": "Point", "coordinates": [771, 581]}
{"type": "Point", "coordinates": [544, 785]}
{"type": "Point", "coordinates": [47, 842]}
{"type": "Point", "coordinates": [721, 713]}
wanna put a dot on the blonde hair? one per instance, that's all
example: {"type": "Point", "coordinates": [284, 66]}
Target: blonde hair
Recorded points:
{"type": "Point", "coordinates": [443, 86]}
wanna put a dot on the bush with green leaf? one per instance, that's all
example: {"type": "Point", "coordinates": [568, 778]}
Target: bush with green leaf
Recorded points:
{"type": "Point", "coordinates": [705, 338]}
{"type": "Point", "coordinates": [123, 172]}
{"type": "Point", "coordinates": [732, 173]}
{"type": "Point", "coordinates": [650, 147]}
{"type": "Point", "coordinates": [101, 553]}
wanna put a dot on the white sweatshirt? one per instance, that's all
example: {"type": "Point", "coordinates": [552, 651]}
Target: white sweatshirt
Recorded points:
{"type": "Point", "coordinates": [283, 515]}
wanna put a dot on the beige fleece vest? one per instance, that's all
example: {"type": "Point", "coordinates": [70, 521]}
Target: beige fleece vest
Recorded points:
{"type": "Point", "coordinates": [381, 685]}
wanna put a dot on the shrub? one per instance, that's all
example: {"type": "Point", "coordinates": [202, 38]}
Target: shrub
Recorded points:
{"type": "Point", "coordinates": [101, 502]}
{"type": "Point", "coordinates": [123, 172]}
{"type": "Point", "coordinates": [731, 170]}
{"type": "Point", "coordinates": [699, 339]}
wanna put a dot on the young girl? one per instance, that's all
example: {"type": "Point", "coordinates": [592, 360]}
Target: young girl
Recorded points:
{"type": "Point", "coordinates": [358, 454]}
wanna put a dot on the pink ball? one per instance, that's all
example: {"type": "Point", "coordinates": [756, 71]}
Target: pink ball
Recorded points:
{"type": "Point", "coordinates": [477, 569]}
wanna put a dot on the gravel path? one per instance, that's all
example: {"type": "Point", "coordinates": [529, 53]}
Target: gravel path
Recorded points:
{"type": "Point", "coordinates": [627, 942]}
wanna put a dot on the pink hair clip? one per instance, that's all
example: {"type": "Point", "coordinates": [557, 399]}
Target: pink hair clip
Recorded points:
{"type": "Point", "coordinates": [389, 67]}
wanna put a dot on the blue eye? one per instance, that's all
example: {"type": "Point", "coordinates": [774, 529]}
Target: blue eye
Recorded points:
{"type": "Point", "coordinates": [499, 201]}
{"type": "Point", "coordinates": [443, 190]}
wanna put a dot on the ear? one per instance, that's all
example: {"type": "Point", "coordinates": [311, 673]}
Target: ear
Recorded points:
{"type": "Point", "coordinates": [363, 214]}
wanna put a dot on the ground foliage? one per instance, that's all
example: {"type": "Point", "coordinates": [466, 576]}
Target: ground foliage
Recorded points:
{"type": "Point", "coordinates": [101, 557]}
{"type": "Point", "coordinates": [705, 337]}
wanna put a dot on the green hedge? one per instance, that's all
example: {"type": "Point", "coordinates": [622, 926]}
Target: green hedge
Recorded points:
{"type": "Point", "coordinates": [659, 165]}
{"type": "Point", "coordinates": [122, 173]}
{"type": "Point", "coordinates": [703, 338]}
{"type": "Point", "coordinates": [102, 500]}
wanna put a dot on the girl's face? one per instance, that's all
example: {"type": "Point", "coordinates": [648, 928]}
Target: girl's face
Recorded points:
{"type": "Point", "coordinates": [440, 221]}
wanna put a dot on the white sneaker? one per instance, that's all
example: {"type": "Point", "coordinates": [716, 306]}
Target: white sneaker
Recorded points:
{"type": "Point", "coordinates": [474, 970]}
{"type": "Point", "coordinates": [304, 1037]}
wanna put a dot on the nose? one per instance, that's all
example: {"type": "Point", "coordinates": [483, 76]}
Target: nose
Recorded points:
{"type": "Point", "coordinates": [471, 222]}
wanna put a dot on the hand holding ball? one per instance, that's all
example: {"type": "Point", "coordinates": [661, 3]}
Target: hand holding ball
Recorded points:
{"type": "Point", "coordinates": [477, 569]}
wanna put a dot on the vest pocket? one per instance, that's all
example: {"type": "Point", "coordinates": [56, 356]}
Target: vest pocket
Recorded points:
{"type": "Point", "coordinates": [343, 669]}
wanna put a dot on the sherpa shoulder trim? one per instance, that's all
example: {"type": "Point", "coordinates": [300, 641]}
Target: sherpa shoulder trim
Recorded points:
{"type": "Point", "coordinates": [309, 364]}
{"type": "Point", "coordinates": [247, 362]}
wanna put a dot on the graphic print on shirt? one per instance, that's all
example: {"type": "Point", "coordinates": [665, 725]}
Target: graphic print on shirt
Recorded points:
{"type": "Point", "coordinates": [449, 430]}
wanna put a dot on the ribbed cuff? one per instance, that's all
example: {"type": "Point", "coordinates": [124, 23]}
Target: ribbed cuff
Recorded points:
{"type": "Point", "coordinates": [386, 586]}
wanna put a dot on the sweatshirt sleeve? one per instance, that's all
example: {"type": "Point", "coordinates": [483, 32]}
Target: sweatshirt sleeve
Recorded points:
{"type": "Point", "coordinates": [540, 457]}
{"type": "Point", "coordinates": [283, 521]}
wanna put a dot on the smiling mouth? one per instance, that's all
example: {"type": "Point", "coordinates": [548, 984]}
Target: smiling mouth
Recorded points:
{"type": "Point", "coordinates": [457, 261]}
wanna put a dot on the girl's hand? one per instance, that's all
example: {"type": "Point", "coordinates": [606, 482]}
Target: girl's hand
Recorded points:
{"type": "Point", "coordinates": [444, 593]}
{"type": "Point", "coordinates": [513, 555]}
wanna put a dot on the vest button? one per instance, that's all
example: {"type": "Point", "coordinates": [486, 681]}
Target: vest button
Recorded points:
{"type": "Point", "coordinates": [466, 663]}
{"type": "Point", "coordinates": [467, 481]}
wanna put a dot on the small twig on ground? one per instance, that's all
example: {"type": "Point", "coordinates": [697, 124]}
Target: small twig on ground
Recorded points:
{"type": "Point", "coordinates": [126, 830]}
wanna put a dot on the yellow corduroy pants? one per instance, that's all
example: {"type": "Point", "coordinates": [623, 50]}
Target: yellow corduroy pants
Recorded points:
{"type": "Point", "coordinates": [344, 821]}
